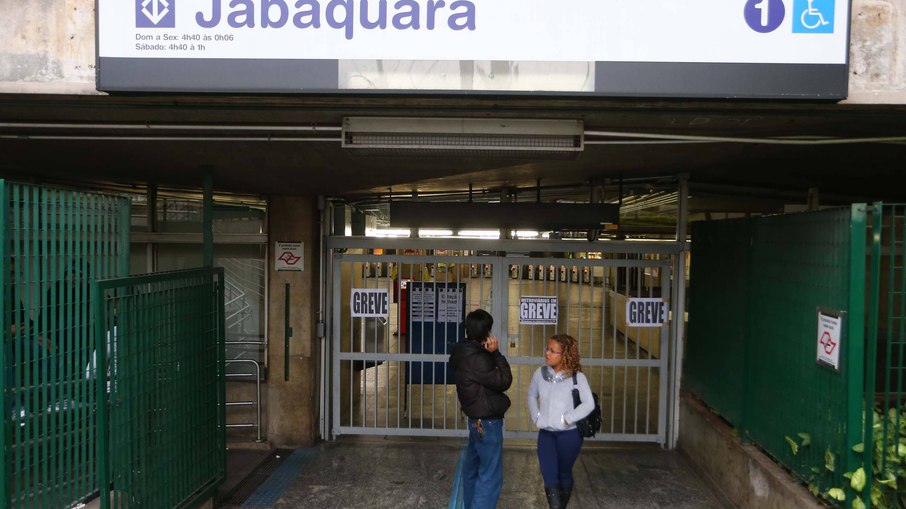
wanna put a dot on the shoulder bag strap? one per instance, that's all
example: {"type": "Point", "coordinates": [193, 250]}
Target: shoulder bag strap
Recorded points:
{"type": "Point", "coordinates": [576, 399]}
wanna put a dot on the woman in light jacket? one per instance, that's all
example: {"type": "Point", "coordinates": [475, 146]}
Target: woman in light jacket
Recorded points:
{"type": "Point", "coordinates": [550, 404]}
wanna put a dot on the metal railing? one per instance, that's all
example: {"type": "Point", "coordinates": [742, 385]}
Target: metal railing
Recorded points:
{"type": "Point", "coordinates": [257, 401]}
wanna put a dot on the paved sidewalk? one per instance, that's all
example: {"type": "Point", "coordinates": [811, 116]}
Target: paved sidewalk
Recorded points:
{"type": "Point", "coordinates": [373, 472]}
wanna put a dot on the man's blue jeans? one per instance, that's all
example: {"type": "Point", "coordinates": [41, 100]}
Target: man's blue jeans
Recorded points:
{"type": "Point", "coordinates": [482, 468]}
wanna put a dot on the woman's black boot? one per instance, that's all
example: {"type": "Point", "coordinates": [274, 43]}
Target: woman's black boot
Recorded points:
{"type": "Point", "coordinates": [553, 497]}
{"type": "Point", "coordinates": [565, 493]}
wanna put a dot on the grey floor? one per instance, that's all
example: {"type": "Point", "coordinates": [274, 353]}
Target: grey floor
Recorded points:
{"type": "Point", "coordinates": [374, 472]}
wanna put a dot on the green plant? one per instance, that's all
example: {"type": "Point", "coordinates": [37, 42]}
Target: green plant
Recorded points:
{"type": "Point", "coordinates": [817, 474]}
{"type": "Point", "coordinates": [888, 466]}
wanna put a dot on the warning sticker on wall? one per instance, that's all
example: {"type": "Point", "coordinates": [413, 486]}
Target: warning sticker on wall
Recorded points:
{"type": "Point", "coordinates": [370, 303]}
{"type": "Point", "coordinates": [538, 310]}
{"type": "Point", "coordinates": [829, 326]}
{"type": "Point", "coordinates": [289, 256]}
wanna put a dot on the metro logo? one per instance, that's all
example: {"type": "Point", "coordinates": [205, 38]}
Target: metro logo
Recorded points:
{"type": "Point", "coordinates": [341, 14]}
{"type": "Point", "coordinates": [155, 13]}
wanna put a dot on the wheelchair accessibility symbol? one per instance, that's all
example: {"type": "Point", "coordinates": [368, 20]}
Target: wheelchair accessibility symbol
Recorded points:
{"type": "Point", "coordinates": [813, 16]}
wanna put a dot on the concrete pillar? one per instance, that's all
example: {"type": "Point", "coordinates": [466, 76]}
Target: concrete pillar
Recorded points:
{"type": "Point", "coordinates": [292, 405]}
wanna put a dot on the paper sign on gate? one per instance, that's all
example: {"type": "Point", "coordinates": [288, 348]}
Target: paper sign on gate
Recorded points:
{"type": "Point", "coordinates": [422, 303]}
{"type": "Point", "coordinates": [370, 303]}
{"type": "Point", "coordinates": [646, 312]}
{"type": "Point", "coordinates": [449, 305]}
{"type": "Point", "coordinates": [538, 310]}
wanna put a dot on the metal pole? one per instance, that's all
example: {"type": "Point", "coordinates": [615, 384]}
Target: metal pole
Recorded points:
{"type": "Point", "coordinates": [151, 220]}
{"type": "Point", "coordinates": [856, 406]}
{"type": "Point", "coordinates": [871, 346]}
{"type": "Point", "coordinates": [208, 218]}
{"type": "Point", "coordinates": [679, 307]}
{"type": "Point", "coordinates": [100, 386]}
{"type": "Point", "coordinates": [323, 295]}
{"type": "Point", "coordinates": [287, 333]}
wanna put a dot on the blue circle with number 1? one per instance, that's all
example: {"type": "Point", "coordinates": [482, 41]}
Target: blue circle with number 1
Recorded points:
{"type": "Point", "coordinates": [764, 16]}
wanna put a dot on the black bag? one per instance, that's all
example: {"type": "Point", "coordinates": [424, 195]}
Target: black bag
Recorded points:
{"type": "Point", "coordinates": [591, 423]}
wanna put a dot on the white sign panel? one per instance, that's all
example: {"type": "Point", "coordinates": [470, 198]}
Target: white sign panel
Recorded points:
{"type": "Point", "coordinates": [538, 310]}
{"type": "Point", "coordinates": [289, 255]}
{"type": "Point", "coordinates": [829, 327]}
{"type": "Point", "coordinates": [703, 31]}
{"type": "Point", "coordinates": [422, 303]}
{"type": "Point", "coordinates": [370, 303]}
{"type": "Point", "coordinates": [449, 305]}
{"type": "Point", "coordinates": [646, 312]}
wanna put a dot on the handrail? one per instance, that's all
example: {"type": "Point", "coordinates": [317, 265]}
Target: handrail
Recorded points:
{"type": "Point", "coordinates": [256, 403]}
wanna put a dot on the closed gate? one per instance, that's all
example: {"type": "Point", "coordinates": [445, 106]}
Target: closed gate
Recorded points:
{"type": "Point", "coordinates": [397, 307]}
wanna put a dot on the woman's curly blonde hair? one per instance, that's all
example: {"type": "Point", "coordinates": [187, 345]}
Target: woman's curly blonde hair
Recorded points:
{"type": "Point", "coordinates": [570, 347]}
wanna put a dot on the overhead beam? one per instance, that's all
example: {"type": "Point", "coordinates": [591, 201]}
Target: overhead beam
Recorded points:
{"type": "Point", "coordinates": [539, 216]}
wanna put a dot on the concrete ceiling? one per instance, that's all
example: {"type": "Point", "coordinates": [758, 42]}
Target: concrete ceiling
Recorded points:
{"type": "Point", "coordinates": [268, 145]}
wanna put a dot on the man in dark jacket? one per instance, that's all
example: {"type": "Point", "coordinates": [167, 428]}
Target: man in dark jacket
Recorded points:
{"type": "Point", "coordinates": [482, 375]}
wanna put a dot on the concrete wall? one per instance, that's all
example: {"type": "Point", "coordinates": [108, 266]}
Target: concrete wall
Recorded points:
{"type": "Point", "coordinates": [292, 405]}
{"type": "Point", "coordinates": [877, 54]}
{"type": "Point", "coordinates": [49, 47]}
{"type": "Point", "coordinates": [747, 477]}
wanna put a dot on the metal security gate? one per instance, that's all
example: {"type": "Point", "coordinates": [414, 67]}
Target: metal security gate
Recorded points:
{"type": "Point", "coordinates": [54, 244]}
{"type": "Point", "coordinates": [164, 414]}
{"type": "Point", "coordinates": [397, 306]}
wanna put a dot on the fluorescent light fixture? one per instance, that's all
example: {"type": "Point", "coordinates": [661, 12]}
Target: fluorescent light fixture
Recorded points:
{"type": "Point", "coordinates": [388, 232]}
{"type": "Point", "coordinates": [425, 232]}
{"type": "Point", "coordinates": [480, 234]}
{"type": "Point", "coordinates": [466, 136]}
{"type": "Point", "coordinates": [526, 234]}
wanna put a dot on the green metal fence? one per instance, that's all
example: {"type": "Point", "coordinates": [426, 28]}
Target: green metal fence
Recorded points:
{"type": "Point", "coordinates": [149, 433]}
{"type": "Point", "coordinates": [718, 300]}
{"type": "Point", "coordinates": [165, 387]}
{"type": "Point", "coordinates": [885, 374]}
{"type": "Point", "coordinates": [54, 243]}
{"type": "Point", "coordinates": [756, 289]}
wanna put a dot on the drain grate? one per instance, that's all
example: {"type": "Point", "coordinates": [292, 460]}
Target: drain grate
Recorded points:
{"type": "Point", "coordinates": [256, 478]}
